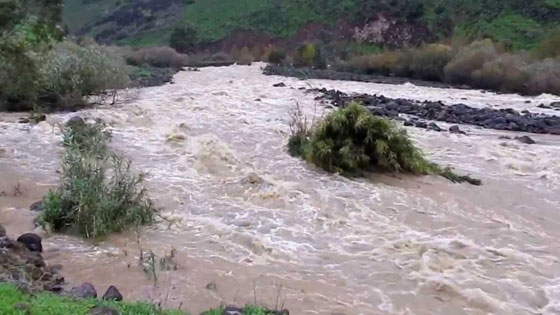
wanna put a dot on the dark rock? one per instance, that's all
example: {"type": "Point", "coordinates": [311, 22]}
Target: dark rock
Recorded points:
{"type": "Point", "coordinates": [525, 139]}
{"type": "Point", "coordinates": [502, 119]}
{"type": "Point", "coordinates": [37, 206]}
{"type": "Point", "coordinates": [455, 129]}
{"type": "Point", "coordinates": [528, 102]}
{"type": "Point", "coordinates": [544, 106]}
{"type": "Point", "coordinates": [23, 120]}
{"type": "Point", "coordinates": [434, 127]}
{"type": "Point", "coordinates": [421, 124]}
{"type": "Point", "coordinates": [75, 121]}
{"type": "Point", "coordinates": [84, 291]}
{"type": "Point", "coordinates": [103, 310]}
{"type": "Point", "coordinates": [39, 118]}
{"type": "Point", "coordinates": [211, 286]}
{"type": "Point", "coordinates": [408, 123]}
{"type": "Point", "coordinates": [2, 231]}
{"type": "Point", "coordinates": [257, 100]}
{"type": "Point", "coordinates": [31, 241]}
{"type": "Point", "coordinates": [281, 84]}
{"type": "Point", "coordinates": [555, 104]}
{"type": "Point", "coordinates": [112, 293]}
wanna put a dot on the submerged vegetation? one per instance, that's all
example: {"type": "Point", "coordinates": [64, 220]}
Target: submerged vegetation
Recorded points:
{"type": "Point", "coordinates": [352, 140]}
{"type": "Point", "coordinates": [98, 194]}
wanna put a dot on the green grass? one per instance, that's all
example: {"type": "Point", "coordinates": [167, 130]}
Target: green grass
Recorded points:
{"type": "Point", "coordinates": [76, 14]}
{"type": "Point", "coordinates": [50, 304]}
{"type": "Point", "coordinates": [519, 31]}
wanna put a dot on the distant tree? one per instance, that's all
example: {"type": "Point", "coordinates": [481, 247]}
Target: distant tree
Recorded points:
{"type": "Point", "coordinates": [184, 39]}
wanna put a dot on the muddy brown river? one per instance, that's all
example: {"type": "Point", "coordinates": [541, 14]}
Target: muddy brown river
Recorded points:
{"type": "Point", "coordinates": [265, 227]}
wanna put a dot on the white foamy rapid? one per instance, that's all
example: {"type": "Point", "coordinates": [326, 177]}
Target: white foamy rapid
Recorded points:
{"type": "Point", "coordinates": [244, 214]}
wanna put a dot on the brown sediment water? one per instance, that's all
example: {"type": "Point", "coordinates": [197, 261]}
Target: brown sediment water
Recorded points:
{"type": "Point", "coordinates": [266, 227]}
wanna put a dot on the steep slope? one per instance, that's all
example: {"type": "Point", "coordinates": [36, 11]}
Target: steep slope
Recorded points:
{"type": "Point", "coordinates": [518, 23]}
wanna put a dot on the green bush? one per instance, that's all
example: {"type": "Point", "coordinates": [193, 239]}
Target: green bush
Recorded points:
{"type": "Point", "coordinates": [184, 39]}
{"type": "Point", "coordinates": [98, 194]}
{"type": "Point", "coordinates": [505, 73]}
{"type": "Point", "coordinates": [159, 57]}
{"type": "Point", "coordinates": [309, 55]}
{"type": "Point", "coordinates": [352, 139]}
{"type": "Point", "coordinates": [276, 57]}
{"type": "Point", "coordinates": [244, 57]}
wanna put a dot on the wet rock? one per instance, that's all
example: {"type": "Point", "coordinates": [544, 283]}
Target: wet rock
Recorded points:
{"type": "Point", "coordinates": [528, 102]}
{"type": "Point", "coordinates": [421, 124]}
{"type": "Point", "coordinates": [112, 293]}
{"type": "Point", "coordinates": [2, 231]}
{"type": "Point", "coordinates": [75, 121]}
{"type": "Point", "coordinates": [39, 118]}
{"type": "Point", "coordinates": [103, 310]}
{"type": "Point", "coordinates": [555, 104]}
{"type": "Point", "coordinates": [211, 286]}
{"type": "Point", "coordinates": [281, 84]}
{"type": "Point", "coordinates": [408, 123]}
{"type": "Point", "coordinates": [85, 291]}
{"type": "Point", "coordinates": [37, 206]}
{"type": "Point", "coordinates": [525, 139]}
{"type": "Point", "coordinates": [23, 120]}
{"type": "Point", "coordinates": [31, 241]}
{"type": "Point", "coordinates": [257, 100]}
{"type": "Point", "coordinates": [502, 119]}
{"type": "Point", "coordinates": [544, 106]}
{"type": "Point", "coordinates": [434, 127]}
{"type": "Point", "coordinates": [456, 130]}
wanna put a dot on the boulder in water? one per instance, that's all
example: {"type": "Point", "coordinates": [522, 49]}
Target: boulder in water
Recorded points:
{"type": "Point", "coordinates": [37, 206]}
{"type": "Point", "coordinates": [455, 129]}
{"type": "Point", "coordinates": [433, 126]}
{"type": "Point", "coordinates": [31, 241]}
{"type": "Point", "coordinates": [75, 121]}
{"type": "Point", "coordinates": [112, 293]}
{"type": "Point", "coordinates": [525, 139]}
{"type": "Point", "coordinates": [281, 84]}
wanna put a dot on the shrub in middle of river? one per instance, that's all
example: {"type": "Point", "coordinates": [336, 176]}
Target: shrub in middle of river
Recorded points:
{"type": "Point", "coordinates": [351, 140]}
{"type": "Point", "coordinates": [98, 194]}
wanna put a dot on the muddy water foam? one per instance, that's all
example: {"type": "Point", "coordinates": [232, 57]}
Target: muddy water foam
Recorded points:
{"type": "Point", "coordinates": [244, 214]}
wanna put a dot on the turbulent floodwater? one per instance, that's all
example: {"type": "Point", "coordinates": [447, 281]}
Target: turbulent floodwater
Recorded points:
{"type": "Point", "coordinates": [266, 227]}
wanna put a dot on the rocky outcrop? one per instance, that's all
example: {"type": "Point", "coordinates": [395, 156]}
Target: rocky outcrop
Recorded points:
{"type": "Point", "coordinates": [502, 119]}
{"type": "Point", "coordinates": [26, 268]}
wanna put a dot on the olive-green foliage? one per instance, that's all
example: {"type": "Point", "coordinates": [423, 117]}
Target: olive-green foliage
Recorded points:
{"type": "Point", "coordinates": [184, 39]}
{"type": "Point", "coordinates": [51, 304]}
{"type": "Point", "coordinates": [98, 194]}
{"type": "Point", "coordinates": [276, 56]}
{"type": "Point", "coordinates": [470, 59]}
{"type": "Point", "coordinates": [352, 139]}
{"type": "Point", "coordinates": [309, 55]}
{"type": "Point", "coordinates": [37, 70]}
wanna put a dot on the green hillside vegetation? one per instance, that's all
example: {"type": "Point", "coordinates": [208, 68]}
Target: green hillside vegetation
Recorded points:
{"type": "Point", "coordinates": [518, 23]}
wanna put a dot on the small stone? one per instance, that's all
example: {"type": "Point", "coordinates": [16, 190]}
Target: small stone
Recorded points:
{"type": "Point", "coordinates": [84, 291]}
{"type": "Point", "coordinates": [433, 126]}
{"type": "Point", "coordinates": [525, 139]}
{"type": "Point", "coordinates": [31, 241]}
{"type": "Point", "coordinates": [281, 84]}
{"type": "Point", "coordinates": [421, 124]}
{"type": "Point", "coordinates": [257, 100]}
{"type": "Point", "coordinates": [103, 310]}
{"type": "Point", "coordinates": [2, 231]}
{"type": "Point", "coordinates": [455, 129]}
{"type": "Point", "coordinates": [211, 286]}
{"type": "Point", "coordinates": [37, 206]}
{"type": "Point", "coordinates": [528, 102]}
{"type": "Point", "coordinates": [112, 293]}
{"type": "Point", "coordinates": [23, 120]}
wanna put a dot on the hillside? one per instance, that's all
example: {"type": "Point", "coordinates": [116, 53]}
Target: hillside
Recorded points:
{"type": "Point", "coordinates": [391, 23]}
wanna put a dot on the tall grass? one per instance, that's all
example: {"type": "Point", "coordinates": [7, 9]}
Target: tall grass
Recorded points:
{"type": "Point", "coordinates": [98, 193]}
